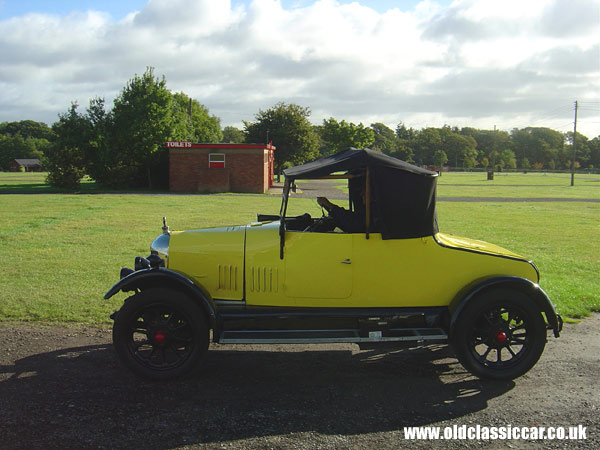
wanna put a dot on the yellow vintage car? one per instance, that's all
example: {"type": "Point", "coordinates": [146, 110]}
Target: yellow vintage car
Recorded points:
{"type": "Point", "coordinates": [378, 271]}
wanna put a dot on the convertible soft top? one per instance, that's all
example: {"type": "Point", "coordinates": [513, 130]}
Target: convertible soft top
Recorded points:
{"type": "Point", "coordinates": [402, 195]}
{"type": "Point", "coordinates": [350, 159]}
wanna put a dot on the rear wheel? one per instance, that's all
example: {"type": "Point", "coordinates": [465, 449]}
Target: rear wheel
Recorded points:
{"type": "Point", "coordinates": [499, 335]}
{"type": "Point", "coordinates": [160, 334]}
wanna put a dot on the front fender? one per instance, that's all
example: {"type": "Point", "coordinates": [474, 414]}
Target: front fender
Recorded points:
{"type": "Point", "coordinates": [528, 287]}
{"type": "Point", "coordinates": [147, 278]}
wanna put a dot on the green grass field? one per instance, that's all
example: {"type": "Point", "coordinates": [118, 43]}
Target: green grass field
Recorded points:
{"type": "Point", "coordinates": [518, 185]}
{"type": "Point", "coordinates": [34, 183]}
{"type": "Point", "coordinates": [514, 185]}
{"type": "Point", "coordinates": [60, 253]}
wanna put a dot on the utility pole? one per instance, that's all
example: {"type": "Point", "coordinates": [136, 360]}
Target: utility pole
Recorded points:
{"type": "Point", "coordinates": [574, 147]}
{"type": "Point", "coordinates": [490, 175]}
{"type": "Point", "coordinates": [494, 154]}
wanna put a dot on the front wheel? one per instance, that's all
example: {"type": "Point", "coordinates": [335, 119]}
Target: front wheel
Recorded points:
{"type": "Point", "coordinates": [160, 334]}
{"type": "Point", "coordinates": [499, 335]}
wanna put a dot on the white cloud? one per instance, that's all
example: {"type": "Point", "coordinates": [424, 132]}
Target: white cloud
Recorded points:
{"type": "Point", "coordinates": [474, 63]}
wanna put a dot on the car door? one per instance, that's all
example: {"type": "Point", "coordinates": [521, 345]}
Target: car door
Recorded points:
{"type": "Point", "coordinates": [318, 268]}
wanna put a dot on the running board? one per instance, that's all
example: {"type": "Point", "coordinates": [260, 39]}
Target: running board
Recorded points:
{"type": "Point", "coordinates": [329, 336]}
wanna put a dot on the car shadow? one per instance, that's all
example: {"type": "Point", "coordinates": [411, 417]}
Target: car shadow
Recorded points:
{"type": "Point", "coordinates": [82, 397]}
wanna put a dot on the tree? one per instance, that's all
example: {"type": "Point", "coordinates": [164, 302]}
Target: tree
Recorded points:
{"type": "Point", "coordinates": [583, 155]}
{"type": "Point", "coordinates": [405, 136]}
{"type": "Point", "coordinates": [195, 121]}
{"type": "Point", "coordinates": [144, 118]}
{"type": "Point", "coordinates": [425, 144]}
{"type": "Point", "coordinates": [439, 159]}
{"type": "Point", "coordinates": [385, 139]}
{"type": "Point", "coordinates": [338, 136]}
{"type": "Point", "coordinates": [461, 150]}
{"type": "Point", "coordinates": [27, 129]}
{"type": "Point", "coordinates": [507, 157]}
{"type": "Point", "coordinates": [126, 146]}
{"type": "Point", "coordinates": [16, 147]}
{"type": "Point", "coordinates": [65, 158]}
{"type": "Point", "coordinates": [538, 145]}
{"type": "Point", "coordinates": [233, 135]}
{"type": "Point", "coordinates": [97, 143]}
{"type": "Point", "coordinates": [404, 153]}
{"type": "Point", "coordinates": [288, 127]}
{"type": "Point", "coordinates": [24, 139]}
{"type": "Point", "coordinates": [594, 146]}
{"type": "Point", "coordinates": [488, 142]}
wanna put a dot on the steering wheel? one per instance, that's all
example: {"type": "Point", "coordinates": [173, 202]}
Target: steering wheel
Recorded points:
{"type": "Point", "coordinates": [324, 223]}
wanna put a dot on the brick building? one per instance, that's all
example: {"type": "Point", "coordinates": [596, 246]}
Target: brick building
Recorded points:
{"type": "Point", "coordinates": [220, 167]}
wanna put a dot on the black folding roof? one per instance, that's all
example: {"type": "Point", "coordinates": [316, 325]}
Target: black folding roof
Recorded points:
{"type": "Point", "coordinates": [349, 160]}
{"type": "Point", "coordinates": [402, 195]}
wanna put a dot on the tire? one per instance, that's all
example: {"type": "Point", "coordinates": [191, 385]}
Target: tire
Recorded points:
{"type": "Point", "coordinates": [160, 334]}
{"type": "Point", "coordinates": [500, 335]}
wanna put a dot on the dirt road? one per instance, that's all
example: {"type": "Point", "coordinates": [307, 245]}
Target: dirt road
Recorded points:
{"type": "Point", "coordinates": [62, 388]}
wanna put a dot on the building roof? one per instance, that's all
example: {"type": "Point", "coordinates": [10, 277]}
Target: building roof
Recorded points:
{"type": "Point", "coordinates": [188, 144]}
{"type": "Point", "coordinates": [28, 162]}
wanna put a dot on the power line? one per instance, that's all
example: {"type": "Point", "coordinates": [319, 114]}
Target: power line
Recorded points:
{"type": "Point", "coordinates": [553, 113]}
{"type": "Point", "coordinates": [563, 110]}
{"type": "Point", "coordinates": [568, 124]}
{"type": "Point", "coordinates": [559, 108]}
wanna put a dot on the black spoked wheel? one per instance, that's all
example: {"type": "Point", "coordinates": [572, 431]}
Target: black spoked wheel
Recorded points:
{"type": "Point", "coordinates": [160, 334]}
{"type": "Point", "coordinates": [499, 339]}
{"type": "Point", "coordinates": [500, 335]}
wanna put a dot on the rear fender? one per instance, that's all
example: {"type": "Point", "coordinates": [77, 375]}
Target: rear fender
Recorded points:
{"type": "Point", "coordinates": [149, 278]}
{"type": "Point", "coordinates": [531, 289]}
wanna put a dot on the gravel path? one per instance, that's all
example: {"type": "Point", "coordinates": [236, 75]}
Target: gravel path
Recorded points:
{"type": "Point", "coordinates": [62, 388]}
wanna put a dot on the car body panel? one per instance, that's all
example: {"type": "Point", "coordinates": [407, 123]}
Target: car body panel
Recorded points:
{"type": "Point", "coordinates": [348, 270]}
{"type": "Point", "coordinates": [264, 270]}
{"type": "Point", "coordinates": [311, 272]}
{"type": "Point", "coordinates": [153, 277]}
{"type": "Point", "coordinates": [461, 243]}
{"type": "Point", "coordinates": [419, 272]}
{"type": "Point", "coordinates": [212, 258]}
{"type": "Point", "coordinates": [323, 258]}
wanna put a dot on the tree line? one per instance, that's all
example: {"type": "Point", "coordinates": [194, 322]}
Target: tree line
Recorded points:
{"type": "Point", "coordinates": [23, 140]}
{"type": "Point", "coordinates": [298, 141]}
{"type": "Point", "coordinates": [124, 147]}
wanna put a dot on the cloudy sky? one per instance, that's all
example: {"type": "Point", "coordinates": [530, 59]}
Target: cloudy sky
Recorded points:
{"type": "Point", "coordinates": [510, 63]}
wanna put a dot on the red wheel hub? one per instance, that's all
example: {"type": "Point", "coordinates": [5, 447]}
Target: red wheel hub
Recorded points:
{"type": "Point", "coordinates": [501, 337]}
{"type": "Point", "coordinates": [159, 337]}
